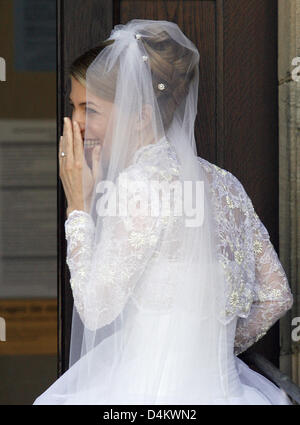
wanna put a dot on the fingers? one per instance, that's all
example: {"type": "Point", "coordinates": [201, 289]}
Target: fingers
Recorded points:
{"type": "Point", "coordinates": [67, 142]}
{"type": "Point", "coordinates": [78, 144]}
{"type": "Point", "coordinates": [79, 156]}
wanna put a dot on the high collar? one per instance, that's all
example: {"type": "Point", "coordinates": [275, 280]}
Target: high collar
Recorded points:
{"type": "Point", "coordinates": [151, 147]}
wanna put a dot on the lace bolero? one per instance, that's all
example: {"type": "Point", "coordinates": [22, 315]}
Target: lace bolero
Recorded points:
{"type": "Point", "coordinates": [257, 288]}
{"type": "Point", "coordinates": [258, 291]}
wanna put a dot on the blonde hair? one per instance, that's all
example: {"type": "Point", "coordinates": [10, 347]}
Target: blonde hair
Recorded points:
{"type": "Point", "coordinates": [170, 64]}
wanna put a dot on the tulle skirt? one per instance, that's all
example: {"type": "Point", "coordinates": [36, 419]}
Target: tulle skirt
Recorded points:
{"type": "Point", "coordinates": [246, 385]}
{"type": "Point", "coordinates": [256, 390]}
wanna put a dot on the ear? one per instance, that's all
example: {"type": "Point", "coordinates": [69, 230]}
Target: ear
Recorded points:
{"type": "Point", "coordinates": [146, 118]}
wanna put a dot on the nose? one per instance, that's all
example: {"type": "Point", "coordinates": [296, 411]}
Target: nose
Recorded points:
{"type": "Point", "coordinates": [82, 129]}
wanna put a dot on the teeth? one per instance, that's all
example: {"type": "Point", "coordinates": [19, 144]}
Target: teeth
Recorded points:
{"type": "Point", "coordinates": [92, 142]}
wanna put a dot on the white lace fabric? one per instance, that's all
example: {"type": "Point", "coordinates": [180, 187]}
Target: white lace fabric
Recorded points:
{"type": "Point", "coordinates": [258, 295]}
{"type": "Point", "coordinates": [272, 294]}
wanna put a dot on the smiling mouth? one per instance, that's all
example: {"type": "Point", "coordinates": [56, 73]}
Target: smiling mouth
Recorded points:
{"type": "Point", "coordinates": [90, 143]}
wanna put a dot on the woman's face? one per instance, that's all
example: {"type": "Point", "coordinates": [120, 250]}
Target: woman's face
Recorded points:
{"type": "Point", "coordinates": [94, 109]}
{"type": "Point", "coordinates": [97, 111]}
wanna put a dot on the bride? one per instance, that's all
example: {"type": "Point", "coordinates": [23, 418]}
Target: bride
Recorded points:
{"type": "Point", "coordinates": [172, 272]}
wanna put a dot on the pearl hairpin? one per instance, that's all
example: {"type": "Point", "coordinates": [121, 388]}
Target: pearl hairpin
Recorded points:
{"type": "Point", "coordinates": [161, 86]}
{"type": "Point", "coordinates": [145, 58]}
{"type": "Point", "coordinates": [138, 36]}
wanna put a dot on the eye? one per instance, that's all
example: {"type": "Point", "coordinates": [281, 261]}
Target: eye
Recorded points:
{"type": "Point", "coordinates": [91, 111]}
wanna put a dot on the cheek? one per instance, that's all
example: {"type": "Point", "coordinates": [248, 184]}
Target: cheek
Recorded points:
{"type": "Point", "coordinates": [79, 116]}
{"type": "Point", "coordinates": [93, 128]}
{"type": "Point", "coordinates": [99, 127]}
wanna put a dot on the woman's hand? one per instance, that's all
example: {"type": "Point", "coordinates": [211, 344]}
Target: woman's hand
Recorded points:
{"type": "Point", "coordinates": [73, 165]}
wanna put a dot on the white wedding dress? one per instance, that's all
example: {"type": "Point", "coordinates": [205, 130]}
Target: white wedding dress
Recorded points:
{"type": "Point", "coordinates": [253, 311]}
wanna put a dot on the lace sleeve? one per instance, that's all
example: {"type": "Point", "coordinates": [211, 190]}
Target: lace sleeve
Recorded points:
{"type": "Point", "coordinates": [125, 246]}
{"type": "Point", "coordinates": [272, 295]}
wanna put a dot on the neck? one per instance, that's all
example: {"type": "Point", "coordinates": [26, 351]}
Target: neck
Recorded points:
{"type": "Point", "coordinates": [148, 138]}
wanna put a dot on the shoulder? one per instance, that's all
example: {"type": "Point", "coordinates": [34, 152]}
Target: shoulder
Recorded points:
{"type": "Point", "coordinates": [219, 172]}
{"type": "Point", "coordinates": [226, 183]}
{"type": "Point", "coordinates": [157, 163]}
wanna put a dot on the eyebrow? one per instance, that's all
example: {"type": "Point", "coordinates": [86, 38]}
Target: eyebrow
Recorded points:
{"type": "Point", "coordinates": [84, 103]}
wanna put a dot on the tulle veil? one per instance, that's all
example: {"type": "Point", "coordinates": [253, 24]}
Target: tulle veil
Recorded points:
{"type": "Point", "coordinates": [133, 356]}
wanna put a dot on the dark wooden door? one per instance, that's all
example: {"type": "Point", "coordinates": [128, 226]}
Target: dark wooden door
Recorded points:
{"type": "Point", "coordinates": [236, 125]}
